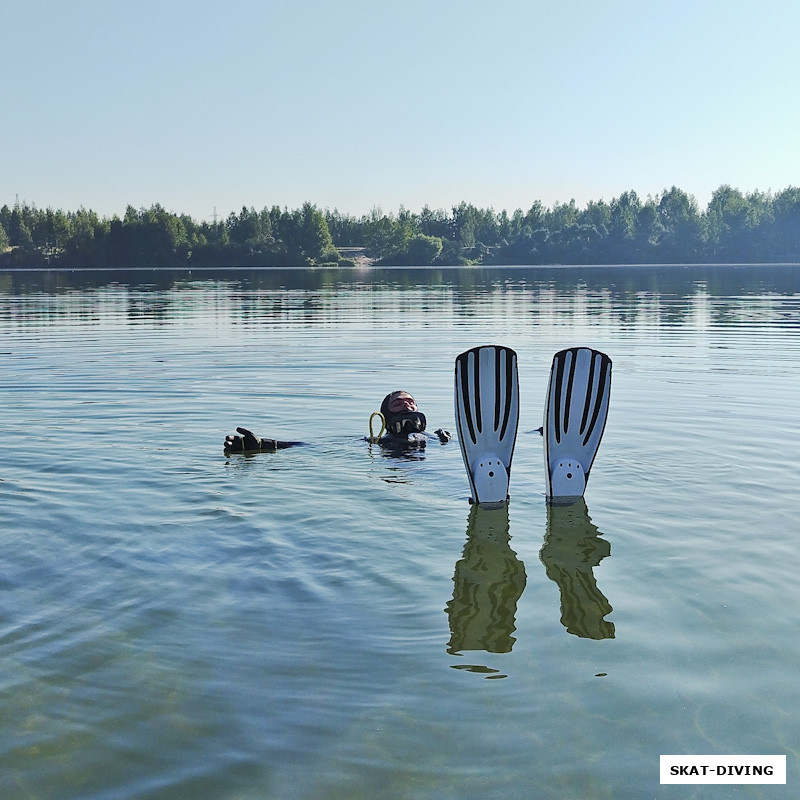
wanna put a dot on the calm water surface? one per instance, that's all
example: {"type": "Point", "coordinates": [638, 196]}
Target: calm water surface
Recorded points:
{"type": "Point", "coordinates": [330, 622]}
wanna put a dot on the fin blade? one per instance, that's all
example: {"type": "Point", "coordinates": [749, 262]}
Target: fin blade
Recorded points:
{"type": "Point", "coordinates": [576, 409]}
{"type": "Point", "coordinates": [487, 415]}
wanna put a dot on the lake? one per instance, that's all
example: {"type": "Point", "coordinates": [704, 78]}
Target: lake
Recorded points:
{"type": "Point", "coordinates": [331, 621]}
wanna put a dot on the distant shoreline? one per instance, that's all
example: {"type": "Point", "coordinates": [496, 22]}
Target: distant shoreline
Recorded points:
{"type": "Point", "coordinates": [361, 267]}
{"type": "Point", "coordinates": [670, 228]}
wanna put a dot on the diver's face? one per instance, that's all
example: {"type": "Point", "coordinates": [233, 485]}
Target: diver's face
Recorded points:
{"type": "Point", "coordinates": [401, 402]}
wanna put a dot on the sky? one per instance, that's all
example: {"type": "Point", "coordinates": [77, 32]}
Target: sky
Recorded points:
{"type": "Point", "coordinates": [208, 107]}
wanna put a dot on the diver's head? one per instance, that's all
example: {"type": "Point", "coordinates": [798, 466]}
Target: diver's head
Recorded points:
{"type": "Point", "coordinates": [401, 415]}
{"type": "Point", "coordinates": [397, 402]}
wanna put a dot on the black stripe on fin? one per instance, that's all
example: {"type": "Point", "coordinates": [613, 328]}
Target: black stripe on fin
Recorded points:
{"type": "Point", "coordinates": [570, 381]}
{"type": "Point", "coordinates": [604, 376]}
{"type": "Point", "coordinates": [558, 377]}
{"type": "Point", "coordinates": [476, 388]}
{"type": "Point", "coordinates": [590, 383]}
{"type": "Point", "coordinates": [510, 360]}
{"type": "Point", "coordinates": [497, 373]}
{"type": "Point", "coordinates": [462, 367]}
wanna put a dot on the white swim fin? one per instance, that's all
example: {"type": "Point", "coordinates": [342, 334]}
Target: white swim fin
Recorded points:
{"type": "Point", "coordinates": [487, 414]}
{"type": "Point", "coordinates": [574, 419]}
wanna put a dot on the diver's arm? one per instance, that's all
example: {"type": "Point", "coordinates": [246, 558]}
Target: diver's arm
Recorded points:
{"type": "Point", "coordinates": [248, 442]}
{"type": "Point", "coordinates": [444, 436]}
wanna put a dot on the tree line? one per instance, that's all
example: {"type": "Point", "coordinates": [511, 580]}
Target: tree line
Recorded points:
{"type": "Point", "coordinates": [759, 227]}
{"type": "Point", "coordinates": [154, 237]}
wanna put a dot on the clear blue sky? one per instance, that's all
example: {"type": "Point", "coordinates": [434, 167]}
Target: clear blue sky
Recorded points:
{"type": "Point", "coordinates": [354, 104]}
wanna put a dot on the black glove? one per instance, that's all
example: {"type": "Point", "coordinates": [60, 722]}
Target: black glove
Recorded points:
{"type": "Point", "coordinates": [248, 442]}
{"type": "Point", "coordinates": [444, 436]}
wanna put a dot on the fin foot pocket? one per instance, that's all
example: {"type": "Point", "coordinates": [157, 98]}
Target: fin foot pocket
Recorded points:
{"type": "Point", "coordinates": [490, 478]}
{"type": "Point", "coordinates": [567, 478]}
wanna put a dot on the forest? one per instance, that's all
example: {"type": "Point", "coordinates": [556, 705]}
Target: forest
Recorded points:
{"type": "Point", "coordinates": [757, 227]}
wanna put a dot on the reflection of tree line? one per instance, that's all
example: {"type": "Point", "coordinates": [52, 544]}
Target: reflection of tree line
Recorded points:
{"type": "Point", "coordinates": [613, 294]}
{"type": "Point", "coordinates": [613, 282]}
{"type": "Point", "coordinates": [490, 579]}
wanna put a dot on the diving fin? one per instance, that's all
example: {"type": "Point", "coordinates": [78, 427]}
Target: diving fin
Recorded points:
{"type": "Point", "coordinates": [574, 419]}
{"type": "Point", "coordinates": [487, 413]}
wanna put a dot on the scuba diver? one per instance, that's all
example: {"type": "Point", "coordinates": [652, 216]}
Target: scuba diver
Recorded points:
{"type": "Point", "coordinates": [402, 428]}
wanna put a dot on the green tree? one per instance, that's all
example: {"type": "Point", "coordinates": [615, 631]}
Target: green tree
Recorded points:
{"type": "Point", "coordinates": [5, 218]}
{"type": "Point", "coordinates": [250, 236]}
{"type": "Point", "coordinates": [385, 237]}
{"type": "Point", "coordinates": [761, 223]}
{"type": "Point", "coordinates": [244, 228]}
{"type": "Point", "coordinates": [462, 225]}
{"type": "Point", "coordinates": [86, 244]}
{"type": "Point", "coordinates": [346, 230]}
{"type": "Point", "coordinates": [51, 230]}
{"type": "Point", "coordinates": [527, 246]}
{"type": "Point", "coordinates": [622, 228]}
{"type": "Point", "coordinates": [648, 232]}
{"type": "Point", "coordinates": [597, 214]}
{"type": "Point", "coordinates": [433, 223]}
{"type": "Point", "coordinates": [786, 225]}
{"type": "Point", "coordinates": [577, 244]}
{"type": "Point", "coordinates": [537, 217]}
{"type": "Point", "coordinates": [680, 240]}
{"type": "Point", "coordinates": [423, 250]}
{"type": "Point", "coordinates": [152, 237]}
{"type": "Point", "coordinates": [19, 233]}
{"type": "Point", "coordinates": [729, 225]}
{"type": "Point", "coordinates": [316, 243]}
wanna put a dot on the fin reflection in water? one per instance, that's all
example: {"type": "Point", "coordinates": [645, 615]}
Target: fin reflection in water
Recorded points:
{"type": "Point", "coordinates": [572, 548]}
{"type": "Point", "coordinates": [489, 580]}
